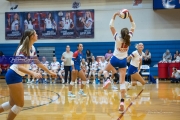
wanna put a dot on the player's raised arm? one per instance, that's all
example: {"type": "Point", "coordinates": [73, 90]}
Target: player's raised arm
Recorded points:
{"type": "Point", "coordinates": [111, 24]}
{"type": "Point", "coordinates": [133, 25]}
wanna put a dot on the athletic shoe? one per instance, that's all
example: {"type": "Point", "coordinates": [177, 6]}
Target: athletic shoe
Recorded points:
{"type": "Point", "coordinates": [121, 107]}
{"type": "Point", "coordinates": [54, 82]}
{"type": "Point", "coordinates": [70, 94]}
{"type": "Point", "coordinates": [37, 82]}
{"type": "Point", "coordinates": [81, 92]}
{"type": "Point", "coordinates": [28, 82]}
{"type": "Point", "coordinates": [106, 84]}
{"type": "Point", "coordinates": [114, 88]}
{"type": "Point", "coordinates": [32, 81]}
{"type": "Point", "coordinates": [45, 82]}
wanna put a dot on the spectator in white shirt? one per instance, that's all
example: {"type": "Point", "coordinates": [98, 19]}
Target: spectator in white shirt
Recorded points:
{"type": "Point", "coordinates": [147, 58]}
{"type": "Point", "coordinates": [167, 56]}
{"type": "Point", "coordinates": [175, 75]}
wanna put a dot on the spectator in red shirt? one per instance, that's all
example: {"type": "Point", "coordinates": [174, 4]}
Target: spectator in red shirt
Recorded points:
{"type": "Point", "coordinates": [4, 68]}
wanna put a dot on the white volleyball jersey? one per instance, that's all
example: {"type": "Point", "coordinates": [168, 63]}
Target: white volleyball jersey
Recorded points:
{"type": "Point", "coordinates": [46, 63]}
{"type": "Point", "coordinates": [89, 20]}
{"type": "Point", "coordinates": [94, 65]}
{"type": "Point", "coordinates": [136, 58]}
{"type": "Point", "coordinates": [85, 65]}
{"type": "Point", "coordinates": [62, 66]}
{"type": "Point", "coordinates": [34, 67]}
{"type": "Point", "coordinates": [48, 23]}
{"type": "Point", "coordinates": [55, 65]}
{"type": "Point", "coordinates": [14, 24]}
{"type": "Point", "coordinates": [27, 66]}
{"type": "Point", "coordinates": [120, 48]}
{"type": "Point", "coordinates": [67, 23]}
{"type": "Point", "coordinates": [29, 25]}
{"type": "Point", "coordinates": [102, 65]}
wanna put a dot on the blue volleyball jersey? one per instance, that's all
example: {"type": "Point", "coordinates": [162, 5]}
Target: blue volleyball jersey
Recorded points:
{"type": "Point", "coordinates": [77, 57]}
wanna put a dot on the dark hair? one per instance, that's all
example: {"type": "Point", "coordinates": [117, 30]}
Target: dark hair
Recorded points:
{"type": "Point", "coordinates": [125, 35]}
{"type": "Point", "coordinates": [25, 42]}
{"type": "Point", "coordinates": [78, 45]}
{"type": "Point", "coordinates": [177, 50]}
{"type": "Point", "coordinates": [28, 19]}
{"type": "Point", "coordinates": [88, 54]}
{"type": "Point", "coordinates": [1, 53]}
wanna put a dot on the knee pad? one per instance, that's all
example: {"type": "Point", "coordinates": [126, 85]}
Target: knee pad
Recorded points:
{"type": "Point", "coordinates": [71, 83]}
{"type": "Point", "coordinates": [84, 82]}
{"type": "Point", "coordinates": [16, 109]}
{"type": "Point", "coordinates": [104, 72]}
{"type": "Point", "coordinates": [116, 77]}
{"type": "Point", "coordinates": [122, 86]}
{"type": "Point", "coordinates": [6, 106]}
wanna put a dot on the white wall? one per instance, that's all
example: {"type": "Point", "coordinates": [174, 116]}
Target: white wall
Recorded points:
{"type": "Point", "coordinates": [151, 25]}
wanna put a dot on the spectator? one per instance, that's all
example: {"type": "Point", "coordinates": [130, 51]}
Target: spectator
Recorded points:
{"type": "Point", "coordinates": [4, 68]}
{"type": "Point", "coordinates": [175, 75]}
{"type": "Point", "coordinates": [108, 55]}
{"type": "Point", "coordinates": [178, 58]}
{"type": "Point", "coordinates": [147, 58]}
{"type": "Point", "coordinates": [1, 54]}
{"type": "Point", "coordinates": [176, 54]}
{"type": "Point", "coordinates": [67, 58]}
{"type": "Point", "coordinates": [89, 57]}
{"type": "Point", "coordinates": [167, 56]}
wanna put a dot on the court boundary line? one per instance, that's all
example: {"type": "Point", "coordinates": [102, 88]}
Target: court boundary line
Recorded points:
{"type": "Point", "coordinates": [32, 107]}
{"type": "Point", "coordinates": [122, 114]}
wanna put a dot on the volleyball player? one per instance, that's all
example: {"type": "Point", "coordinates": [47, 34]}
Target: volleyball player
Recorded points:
{"type": "Point", "coordinates": [93, 69]}
{"type": "Point", "coordinates": [55, 65]}
{"type": "Point", "coordinates": [44, 73]}
{"type": "Point", "coordinates": [15, 23]}
{"type": "Point", "coordinates": [28, 23]}
{"type": "Point", "coordinates": [61, 72]}
{"type": "Point", "coordinates": [122, 43]}
{"type": "Point", "coordinates": [76, 71]}
{"type": "Point", "coordinates": [102, 65]}
{"type": "Point", "coordinates": [87, 21]}
{"type": "Point", "coordinates": [67, 22]}
{"type": "Point", "coordinates": [34, 68]}
{"type": "Point", "coordinates": [135, 64]}
{"type": "Point", "coordinates": [14, 76]}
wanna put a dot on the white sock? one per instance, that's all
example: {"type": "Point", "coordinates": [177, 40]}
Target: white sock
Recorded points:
{"type": "Point", "coordinates": [138, 83]}
{"type": "Point", "coordinates": [28, 80]}
{"type": "Point", "coordinates": [32, 80]}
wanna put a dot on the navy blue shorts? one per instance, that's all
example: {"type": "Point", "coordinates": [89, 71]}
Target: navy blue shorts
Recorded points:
{"type": "Point", "coordinates": [76, 67]}
{"type": "Point", "coordinates": [115, 62]}
{"type": "Point", "coordinates": [132, 70]}
{"type": "Point", "coordinates": [12, 77]}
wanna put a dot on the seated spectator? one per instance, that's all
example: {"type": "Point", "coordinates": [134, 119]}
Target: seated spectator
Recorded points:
{"type": "Point", "coordinates": [44, 74]}
{"type": "Point", "coordinates": [4, 68]}
{"type": "Point", "coordinates": [93, 69]}
{"type": "Point", "coordinates": [34, 68]}
{"type": "Point", "coordinates": [89, 57]}
{"type": "Point", "coordinates": [167, 57]}
{"type": "Point", "coordinates": [176, 54]}
{"type": "Point", "coordinates": [147, 58]}
{"type": "Point", "coordinates": [55, 65]}
{"type": "Point", "coordinates": [175, 75]}
{"type": "Point", "coordinates": [178, 58]}
{"type": "Point", "coordinates": [108, 55]}
{"type": "Point", "coordinates": [61, 73]}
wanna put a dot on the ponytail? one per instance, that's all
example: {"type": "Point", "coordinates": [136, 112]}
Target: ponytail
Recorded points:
{"type": "Point", "coordinates": [125, 35]}
{"type": "Point", "coordinates": [25, 47]}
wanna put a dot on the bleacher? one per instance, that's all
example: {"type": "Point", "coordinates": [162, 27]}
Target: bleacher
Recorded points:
{"type": "Point", "coordinates": [157, 48]}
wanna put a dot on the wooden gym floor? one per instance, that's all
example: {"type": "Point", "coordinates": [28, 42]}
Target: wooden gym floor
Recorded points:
{"type": "Point", "coordinates": [50, 102]}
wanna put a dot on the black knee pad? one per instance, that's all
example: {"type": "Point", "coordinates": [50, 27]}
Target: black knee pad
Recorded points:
{"type": "Point", "coordinates": [116, 77]}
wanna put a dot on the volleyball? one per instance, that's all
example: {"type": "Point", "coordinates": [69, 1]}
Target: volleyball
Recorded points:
{"type": "Point", "coordinates": [124, 13]}
{"type": "Point", "coordinates": [60, 13]}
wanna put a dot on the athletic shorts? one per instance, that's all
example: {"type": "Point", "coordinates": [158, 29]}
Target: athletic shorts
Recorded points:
{"type": "Point", "coordinates": [115, 62]}
{"type": "Point", "coordinates": [76, 67]}
{"type": "Point", "coordinates": [12, 77]}
{"type": "Point", "coordinates": [132, 70]}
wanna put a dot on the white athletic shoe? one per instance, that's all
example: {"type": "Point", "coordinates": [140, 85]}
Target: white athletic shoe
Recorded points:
{"type": "Point", "coordinates": [32, 81]}
{"type": "Point", "coordinates": [28, 82]}
{"type": "Point", "coordinates": [114, 88]}
{"type": "Point", "coordinates": [81, 92]}
{"type": "Point", "coordinates": [70, 94]}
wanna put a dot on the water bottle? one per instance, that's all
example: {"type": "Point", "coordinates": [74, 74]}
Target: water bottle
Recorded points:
{"type": "Point", "coordinates": [96, 80]}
